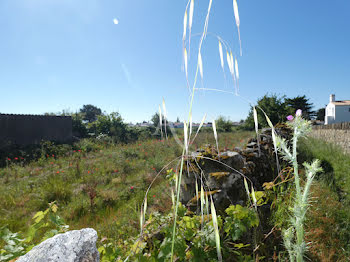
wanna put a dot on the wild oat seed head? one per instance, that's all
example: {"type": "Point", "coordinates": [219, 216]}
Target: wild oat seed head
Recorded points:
{"type": "Point", "coordinates": [185, 59]}
{"type": "Point", "coordinates": [191, 14]}
{"type": "Point", "coordinates": [200, 63]}
{"type": "Point", "coordinates": [232, 64]}
{"type": "Point", "coordinates": [236, 68]}
{"type": "Point", "coordinates": [229, 61]}
{"type": "Point", "coordinates": [164, 108]}
{"type": "Point", "coordinates": [235, 10]}
{"type": "Point", "coordinates": [221, 55]}
{"type": "Point", "coordinates": [185, 26]}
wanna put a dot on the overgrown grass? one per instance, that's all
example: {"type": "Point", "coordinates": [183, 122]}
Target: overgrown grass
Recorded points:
{"type": "Point", "coordinates": [328, 223]}
{"type": "Point", "coordinates": [335, 163]}
{"type": "Point", "coordinates": [98, 185]}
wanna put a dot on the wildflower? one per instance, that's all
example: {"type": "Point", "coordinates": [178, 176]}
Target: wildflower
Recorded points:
{"type": "Point", "coordinates": [131, 187]}
{"type": "Point", "coordinates": [74, 151]}
{"type": "Point", "coordinates": [9, 159]}
{"type": "Point", "coordinates": [290, 118]}
{"type": "Point", "coordinates": [16, 158]}
{"type": "Point", "coordinates": [115, 171]}
{"type": "Point", "coordinates": [51, 163]}
{"type": "Point", "coordinates": [298, 112]}
{"type": "Point", "coordinates": [154, 195]}
{"type": "Point", "coordinates": [57, 172]}
{"type": "Point", "coordinates": [79, 150]}
{"type": "Point", "coordinates": [88, 171]}
{"type": "Point", "coordinates": [53, 155]}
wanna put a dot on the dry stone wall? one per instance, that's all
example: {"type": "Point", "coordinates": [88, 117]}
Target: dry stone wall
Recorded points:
{"type": "Point", "coordinates": [340, 137]}
{"type": "Point", "coordinates": [222, 173]}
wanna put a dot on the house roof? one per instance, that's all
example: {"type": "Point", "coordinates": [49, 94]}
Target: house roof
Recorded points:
{"type": "Point", "coordinates": [342, 103]}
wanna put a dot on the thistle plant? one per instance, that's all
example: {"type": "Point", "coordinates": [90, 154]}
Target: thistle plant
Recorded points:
{"type": "Point", "coordinates": [294, 235]}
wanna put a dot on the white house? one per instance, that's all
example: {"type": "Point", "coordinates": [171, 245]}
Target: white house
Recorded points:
{"type": "Point", "coordinates": [337, 111]}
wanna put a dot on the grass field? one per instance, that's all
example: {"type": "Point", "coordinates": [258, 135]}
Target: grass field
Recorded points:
{"type": "Point", "coordinates": [103, 185]}
{"type": "Point", "coordinates": [328, 225]}
{"type": "Point", "coordinates": [96, 185]}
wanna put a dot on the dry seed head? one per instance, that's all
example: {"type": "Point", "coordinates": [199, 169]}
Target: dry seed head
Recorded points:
{"type": "Point", "coordinates": [202, 200]}
{"type": "Point", "coordinates": [216, 231]}
{"type": "Point", "coordinates": [221, 55]}
{"type": "Point", "coordinates": [185, 26]}
{"type": "Point", "coordinates": [246, 187]}
{"type": "Point", "coordinates": [160, 117]}
{"type": "Point", "coordinates": [185, 137]}
{"type": "Point", "coordinates": [215, 134]}
{"type": "Point", "coordinates": [200, 63]}
{"type": "Point", "coordinates": [253, 195]}
{"type": "Point", "coordinates": [256, 120]}
{"type": "Point", "coordinates": [228, 58]}
{"type": "Point", "coordinates": [185, 59]}
{"type": "Point", "coordinates": [164, 108]}
{"type": "Point", "coordinates": [191, 15]}
{"type": "Point", "coordinates": [141, 220]}
{"type": "Point", "coordinates": [236, 69]}
{"type": "Point", "coordinates": [145, 207]}
{"type": "Point", "coordinates": [232, 66]}
{"type": "Point", "coordinates": [235, 10]}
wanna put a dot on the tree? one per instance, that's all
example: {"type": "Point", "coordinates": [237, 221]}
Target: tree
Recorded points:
{"type": "Point", "coordinates": [273, 106]}
{"type": "Point", "coordinates": [90, 113]}
{"type": "Point", "coordinates": [111, 125]}
{"type": "Point", "coordinates": [300, 102]}
{"type": "Point", "coordinates": [156, 125]}
{"type": "Point", "coordinates": [155, 120]}
{"type": "Point", "coordinates": [78, 127]}
{"type": "Point", "coordinates": [223, 124]}
{"type": "Point", "coordinates": [320, 114]}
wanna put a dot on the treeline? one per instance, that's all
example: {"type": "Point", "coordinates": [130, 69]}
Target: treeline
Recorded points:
{"type": "Point", "coordinates": [278, 108]}
{"type": "Point", "coordinates": [91, 122]}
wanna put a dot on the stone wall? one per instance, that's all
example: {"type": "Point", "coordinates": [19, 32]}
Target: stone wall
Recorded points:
{"type": "Point", "coordinates": [222, 173]}
{"type": "Point", "coordinates": [338, 126]}
{"type": "Point", "coordinates": [340, 137]}
{"type": "Point", "coordinates": [31, 129]}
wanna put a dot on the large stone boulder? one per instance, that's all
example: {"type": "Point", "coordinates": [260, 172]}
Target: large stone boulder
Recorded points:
{"type": "Point", "coordinates": [73, 246]}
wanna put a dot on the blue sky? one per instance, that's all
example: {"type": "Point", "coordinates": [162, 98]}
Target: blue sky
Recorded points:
{"type": "Point", "coordinates": [62, 54]}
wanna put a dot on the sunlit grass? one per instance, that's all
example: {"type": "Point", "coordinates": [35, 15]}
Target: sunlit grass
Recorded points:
{"type": "Point", "coordinates": [120, 175]}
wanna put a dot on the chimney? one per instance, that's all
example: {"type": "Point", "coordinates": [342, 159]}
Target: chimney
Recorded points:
{"type": "Point", "coordinates": [332, 98]}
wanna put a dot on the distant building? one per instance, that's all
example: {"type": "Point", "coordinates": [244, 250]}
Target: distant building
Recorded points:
{"type": "Point", "coordinates": [337, 111]}
{"type": "Point", "coordinates": [32, 129]}
{"type": "Point", "coordinates": [177, 125]}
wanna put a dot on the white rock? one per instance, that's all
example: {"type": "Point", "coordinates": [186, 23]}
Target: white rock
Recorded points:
{"type": "Point", "coordinates": [73, 246]}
